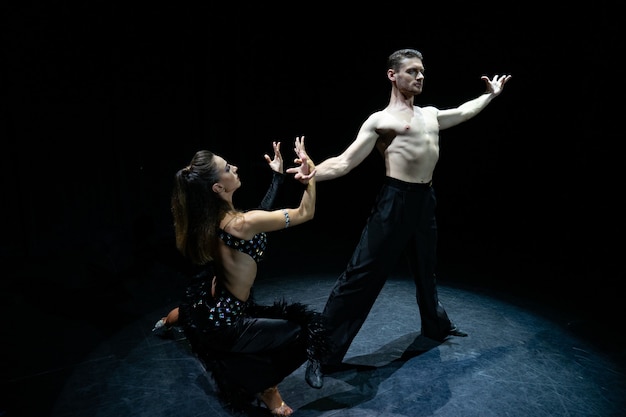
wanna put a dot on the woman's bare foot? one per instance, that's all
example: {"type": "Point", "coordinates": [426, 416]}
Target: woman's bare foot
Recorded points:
{"type": "Point", "coordinates": [274, 402]}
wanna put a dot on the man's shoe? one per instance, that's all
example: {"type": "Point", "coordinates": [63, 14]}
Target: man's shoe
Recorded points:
{"type": "Point", "coordinates": [455, 331]}
{"type": "Point", "coordinates": [313, 375]}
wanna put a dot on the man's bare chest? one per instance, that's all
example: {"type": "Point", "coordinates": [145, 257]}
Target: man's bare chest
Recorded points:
{"type": "Point", "coordinates": [405, 129]}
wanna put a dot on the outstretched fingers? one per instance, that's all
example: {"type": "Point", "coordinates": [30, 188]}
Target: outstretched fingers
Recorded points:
{"type": "Point", "coordinates": [299, 147]}
{"type": "Point", "coordinates": [496, 84]}
{"type": "Point", "coordinates": [302, 172]}
{"type": "Point", "coordinates": [275, 163]}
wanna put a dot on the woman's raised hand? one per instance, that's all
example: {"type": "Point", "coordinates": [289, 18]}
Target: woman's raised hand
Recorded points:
{"type": "Point", "coordinates": [306, 168]}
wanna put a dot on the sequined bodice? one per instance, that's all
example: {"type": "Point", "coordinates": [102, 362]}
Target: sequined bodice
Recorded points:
{"type": "Point", "coordinates": [254, 247]}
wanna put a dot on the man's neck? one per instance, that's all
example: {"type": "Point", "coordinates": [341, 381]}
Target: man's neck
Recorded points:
{"type": "Point", "coordinates": [399, 101]}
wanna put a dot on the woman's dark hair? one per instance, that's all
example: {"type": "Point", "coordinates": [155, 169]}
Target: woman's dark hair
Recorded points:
{"type": "Point", "coordinates": [197, 209]}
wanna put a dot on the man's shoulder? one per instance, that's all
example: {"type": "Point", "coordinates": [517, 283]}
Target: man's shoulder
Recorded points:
{"type": "Point", "coordinates": [375, 117]}
{"type": "Point", "coordinates": [427, 110]}
{"type": "Point", "coordinates": [378, 113]}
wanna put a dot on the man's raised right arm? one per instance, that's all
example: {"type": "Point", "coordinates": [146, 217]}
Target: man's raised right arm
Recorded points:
{"type": "Point", "coordinates": [340, 165]}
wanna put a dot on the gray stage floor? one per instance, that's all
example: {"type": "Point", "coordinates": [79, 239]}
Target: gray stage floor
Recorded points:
{"type": "Point", "coordinates": [519, 360]}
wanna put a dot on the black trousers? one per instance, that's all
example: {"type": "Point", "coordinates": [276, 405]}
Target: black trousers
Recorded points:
{"type": "Point", "coordinates": [401, 224]}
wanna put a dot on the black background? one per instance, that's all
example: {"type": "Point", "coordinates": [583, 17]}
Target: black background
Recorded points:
{"type": "Point", "coordinates": [104, 102]}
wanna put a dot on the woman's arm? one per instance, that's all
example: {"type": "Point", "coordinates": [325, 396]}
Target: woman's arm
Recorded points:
{"type": "Point", "coordinates": [278, 178]}
{"type": "Point", "coordinates": [256, 221]}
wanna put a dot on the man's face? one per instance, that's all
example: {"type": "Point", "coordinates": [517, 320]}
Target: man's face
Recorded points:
{"type": "Point", "coordinates": [409, 79]}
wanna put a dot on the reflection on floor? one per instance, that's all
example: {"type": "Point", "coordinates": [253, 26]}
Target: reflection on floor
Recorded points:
{"type": "Point", "coordinates": [519, 359]}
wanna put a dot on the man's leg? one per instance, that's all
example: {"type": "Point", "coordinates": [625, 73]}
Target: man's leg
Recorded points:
{"type": "Point", "coordinates": [350, 301]}
{"type": "Point", "coordinates": [357, 288]}
{"type": "Point", "coordinates": [422, 256]}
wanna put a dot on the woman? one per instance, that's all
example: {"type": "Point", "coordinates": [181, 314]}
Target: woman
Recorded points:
{"type": "Point", "coordinates": [248, 348]}
{"type": "Point", "coordinates": [164, 325]}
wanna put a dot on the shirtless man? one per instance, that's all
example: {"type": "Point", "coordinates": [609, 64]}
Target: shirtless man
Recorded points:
{"type": "Point", "coordinates": [402, 222]}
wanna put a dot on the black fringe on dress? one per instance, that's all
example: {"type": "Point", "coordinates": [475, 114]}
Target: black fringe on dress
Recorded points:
{"type": "Point", "coordinates": [311, 321]}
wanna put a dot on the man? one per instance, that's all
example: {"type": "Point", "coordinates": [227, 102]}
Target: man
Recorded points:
{"type": "Point", "coordinates": [402, 222]}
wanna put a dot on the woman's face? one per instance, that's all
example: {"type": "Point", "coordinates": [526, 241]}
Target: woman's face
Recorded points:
{"type": "Point", "coordinates": [229, 180]}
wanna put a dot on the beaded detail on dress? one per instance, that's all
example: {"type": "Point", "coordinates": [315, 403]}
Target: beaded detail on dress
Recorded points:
{"type": "Point", "coordinates": [226, 310]}
{"type": "Point", "coordinates": [254, 247]}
